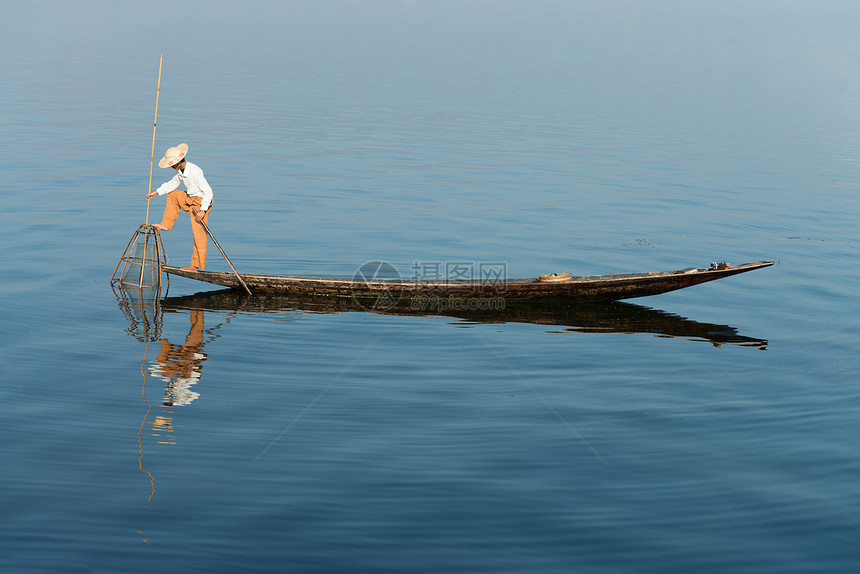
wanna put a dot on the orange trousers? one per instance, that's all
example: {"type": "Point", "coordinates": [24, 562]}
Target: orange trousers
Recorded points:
{"type": "Point", "coordinates": [178, 200]}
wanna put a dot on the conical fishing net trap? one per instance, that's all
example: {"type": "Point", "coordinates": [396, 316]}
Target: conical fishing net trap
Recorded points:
{"type": "Point", "coordinates": [141, 261]}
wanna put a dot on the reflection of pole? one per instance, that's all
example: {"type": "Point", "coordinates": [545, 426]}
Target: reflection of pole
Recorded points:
{"type": "Point", "coordinates": [140, 430]}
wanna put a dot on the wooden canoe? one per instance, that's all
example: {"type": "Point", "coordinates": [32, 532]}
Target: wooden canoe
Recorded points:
{"type": "Point", "coordinates": [556, 286]}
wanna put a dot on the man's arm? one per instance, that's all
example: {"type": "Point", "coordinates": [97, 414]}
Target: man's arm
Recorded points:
{"type": "Point", "coordinates": [165, 187]}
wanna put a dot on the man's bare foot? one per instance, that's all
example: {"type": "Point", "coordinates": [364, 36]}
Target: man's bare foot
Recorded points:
{"type": "Point", "coordinates": [189, 268]}
{"type": "Point", "coordinates": [160, 227]}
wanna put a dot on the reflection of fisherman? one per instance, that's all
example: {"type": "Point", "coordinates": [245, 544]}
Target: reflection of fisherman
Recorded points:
{"type": "Point", "coordinates": [180, 365]}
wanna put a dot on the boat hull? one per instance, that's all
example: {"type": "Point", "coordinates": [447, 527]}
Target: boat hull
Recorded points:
{"type": "Point", "coordinates": [591, 288]}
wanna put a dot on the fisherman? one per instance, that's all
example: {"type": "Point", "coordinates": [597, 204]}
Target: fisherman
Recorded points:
{"type": "Point", "coordinates": [197, 195]}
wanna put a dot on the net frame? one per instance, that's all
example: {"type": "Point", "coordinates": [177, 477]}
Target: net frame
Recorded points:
{"type": "Point", "coordinates": [142, 266]}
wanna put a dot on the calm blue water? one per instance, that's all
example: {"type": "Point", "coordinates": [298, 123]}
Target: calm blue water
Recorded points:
{"type": "Point", "coordinates": [712, 429]}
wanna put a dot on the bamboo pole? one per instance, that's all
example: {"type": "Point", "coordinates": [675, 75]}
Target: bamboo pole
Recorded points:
{"type": "Point", "coordinates": [154, 124]}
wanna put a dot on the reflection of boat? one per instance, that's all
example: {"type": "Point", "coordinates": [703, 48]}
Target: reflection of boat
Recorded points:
{"type": "Point", "coordinates": [588, 317]}
{"type": "Point", "coordinates": [491, 283]}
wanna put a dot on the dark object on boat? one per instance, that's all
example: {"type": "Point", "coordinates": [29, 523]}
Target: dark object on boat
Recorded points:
{"type": "Point", "coordinates": [561, 316]}
{"type": "Point", "coordinates": [589, 288]}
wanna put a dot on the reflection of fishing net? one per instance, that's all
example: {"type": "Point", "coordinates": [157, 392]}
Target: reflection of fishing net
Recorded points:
{"type": "Point", "coordinates": [142, 260]}
{"type": "Point", "coordinates": [142, 308]}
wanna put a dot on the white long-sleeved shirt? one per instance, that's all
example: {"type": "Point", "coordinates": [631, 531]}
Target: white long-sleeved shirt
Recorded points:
{"type": "Point", "coordinates": [195, 184]}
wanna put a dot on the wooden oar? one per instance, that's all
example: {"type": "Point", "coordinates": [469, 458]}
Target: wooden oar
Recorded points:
{"type": "Point", "coordinates": [227, 259]}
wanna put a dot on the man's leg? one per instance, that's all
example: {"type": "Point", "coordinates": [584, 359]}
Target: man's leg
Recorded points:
{"type": "Point", "coordinates": [198, 257]}
{"type": "Point", "coordinates": [172, 207]}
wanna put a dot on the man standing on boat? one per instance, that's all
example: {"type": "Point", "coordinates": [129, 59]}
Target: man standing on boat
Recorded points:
{"type": "Point", "coordinates": [197, 195]}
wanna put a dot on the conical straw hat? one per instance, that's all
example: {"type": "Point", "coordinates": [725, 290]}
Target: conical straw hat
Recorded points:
{"type": "Point", "coordinates": [173, 155]}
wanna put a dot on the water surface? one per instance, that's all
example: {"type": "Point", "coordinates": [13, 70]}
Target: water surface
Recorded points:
{"type": "Point", "coordinates": [709, 430]}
